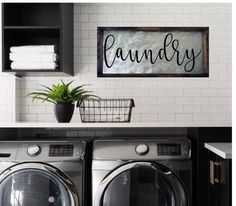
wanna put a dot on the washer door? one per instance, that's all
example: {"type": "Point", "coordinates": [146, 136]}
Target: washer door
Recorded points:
{"type": "Point", "coordinates": [36, 184]}
{"type": "Point", "coordinates": [139, 184]}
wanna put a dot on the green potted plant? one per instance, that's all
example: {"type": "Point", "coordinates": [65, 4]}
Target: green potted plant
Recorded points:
{"type": "Point", "coordinates": [63, 98]}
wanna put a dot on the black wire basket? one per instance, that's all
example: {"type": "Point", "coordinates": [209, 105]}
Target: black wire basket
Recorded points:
{"type": "Point", "coordinates": [106, 110]}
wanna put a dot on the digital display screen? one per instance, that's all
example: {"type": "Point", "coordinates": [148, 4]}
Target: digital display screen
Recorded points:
{"type": "Point", "coordinates": [164, 149]}
{"type": "Point", "coordinates": [61, 150]}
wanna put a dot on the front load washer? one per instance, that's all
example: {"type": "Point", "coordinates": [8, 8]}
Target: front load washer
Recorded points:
{"type": "Point", "coordinates": [42, 173]}
{"type": "Point", "coordinates": [138, 172]}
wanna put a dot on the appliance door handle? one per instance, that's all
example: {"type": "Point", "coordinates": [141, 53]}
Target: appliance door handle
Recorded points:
{"type": "Point", "coordinates": [131, 165]}
{"type": "Point", "coordinates": [161, 169]}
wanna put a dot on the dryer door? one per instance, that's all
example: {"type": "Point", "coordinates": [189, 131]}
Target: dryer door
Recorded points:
{"type": "Point", "coordinates": [36, 184]}
{"type": "Point", "coordinates": [140, 184]}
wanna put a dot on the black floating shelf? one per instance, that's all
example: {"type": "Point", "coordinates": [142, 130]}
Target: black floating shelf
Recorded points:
{"type": "Point", "coordinates": [32, 70]}
{"type": "Point", "coordinates": [38, 24]}
{"type": "Point", "coordinates": [30, 27]}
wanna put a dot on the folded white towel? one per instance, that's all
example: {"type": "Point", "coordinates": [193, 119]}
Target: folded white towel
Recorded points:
{"type": "Point", "coordinates": [33, 57]}
{"type": "Point", "coordinates": [33, 48]}
{"type": "Point", "coordinates": [33, 65]}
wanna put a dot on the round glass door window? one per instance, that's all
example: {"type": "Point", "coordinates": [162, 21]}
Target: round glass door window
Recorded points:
{"type": "Point", "coordinates": [33, 187]}
{"type": "Point", "coordinates": [142, 186]}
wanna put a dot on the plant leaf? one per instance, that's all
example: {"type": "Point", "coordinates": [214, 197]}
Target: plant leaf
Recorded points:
{"type": "Point", "coordinates": [61, 93]}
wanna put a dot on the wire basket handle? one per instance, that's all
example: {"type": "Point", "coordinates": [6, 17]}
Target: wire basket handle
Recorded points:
{"type": "Point", "coordinates": [132, 103]}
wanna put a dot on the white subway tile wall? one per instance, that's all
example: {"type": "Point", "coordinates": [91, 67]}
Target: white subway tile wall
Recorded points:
{"type": "Point", "coordinates": [9, 98]}
{"type": "Point", "coordinates": [196, 100]}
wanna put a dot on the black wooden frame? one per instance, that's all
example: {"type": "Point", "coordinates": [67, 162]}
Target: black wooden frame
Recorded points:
{"type": "Point", "coordinates": [204, 30]}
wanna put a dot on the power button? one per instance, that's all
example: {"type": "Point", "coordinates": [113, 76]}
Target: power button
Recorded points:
{"type": "Point", "coordinates": [142, 149]}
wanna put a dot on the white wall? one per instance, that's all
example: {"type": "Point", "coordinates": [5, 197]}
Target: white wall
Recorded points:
{"type": "Point", "coordinates": [8, 86]}
{"type": "Point", "coordinates": [197, 100]}
{"type": "Point", "coordinates": [8, 98]}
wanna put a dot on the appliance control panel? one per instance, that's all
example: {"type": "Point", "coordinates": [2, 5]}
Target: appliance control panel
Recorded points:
{"type": "Point", "coordinates": [50, 151]}
{"type": "Point", "coordinates": [148, 149]}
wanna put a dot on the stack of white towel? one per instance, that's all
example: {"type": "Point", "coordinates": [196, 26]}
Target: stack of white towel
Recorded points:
{"type": "Point", "coordinates": [33, 57]}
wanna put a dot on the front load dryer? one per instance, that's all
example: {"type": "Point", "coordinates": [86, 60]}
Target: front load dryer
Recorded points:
{"type": "Point", "coordinates": [42, 173]}
{"type": "Point", "coordinates": [138, 172]}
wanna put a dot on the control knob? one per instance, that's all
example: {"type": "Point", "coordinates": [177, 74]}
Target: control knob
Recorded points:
{"type": "Point", "coordinates": [34, 150]}
{"type": "Point", "coordinates": [142, 149]}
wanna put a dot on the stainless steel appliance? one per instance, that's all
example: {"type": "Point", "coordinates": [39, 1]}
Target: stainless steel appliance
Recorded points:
{"type": "Point", "coordinates": [42, 173]}
{"type": "Point", "coordinates": [138, 172]}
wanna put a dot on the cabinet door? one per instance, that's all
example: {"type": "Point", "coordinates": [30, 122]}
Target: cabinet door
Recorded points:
{"type": "Point", "coordinates": [219, 185]}
{"type": "Point", "coordinates": [225, 182]}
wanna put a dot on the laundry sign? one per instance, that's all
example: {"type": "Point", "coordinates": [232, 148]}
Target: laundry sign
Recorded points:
{"type": "Point", "coordinates": [152, 52]}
